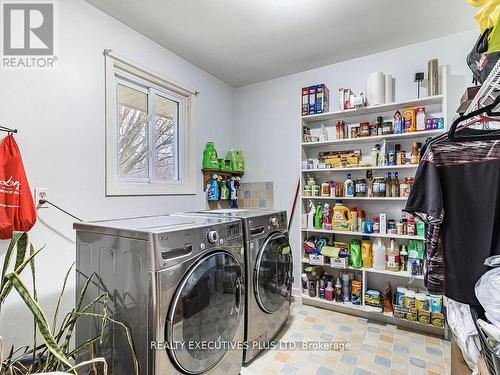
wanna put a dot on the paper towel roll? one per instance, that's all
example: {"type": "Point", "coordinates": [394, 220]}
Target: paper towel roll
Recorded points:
{"type": "Point", "coordinates": [389, 90]}
{"type": "Point", "coordinates": [368, 97]}
{"type": "Point", "coordinates": [377, 88]}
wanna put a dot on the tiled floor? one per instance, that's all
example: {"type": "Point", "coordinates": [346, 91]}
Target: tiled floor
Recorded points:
{"type": "Point", "coordinates": [375, 348]}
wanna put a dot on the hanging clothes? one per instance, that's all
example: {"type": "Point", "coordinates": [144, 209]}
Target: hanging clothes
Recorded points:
{"type": "Point", "coordinates": [457, 193]}
{"type": "Point", "coordinates": [17, 210]}
{"type": "Point", "coordinates": [488, 17]}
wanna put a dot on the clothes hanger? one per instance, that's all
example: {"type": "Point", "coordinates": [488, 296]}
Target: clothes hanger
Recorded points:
{"type": "Point", "coordinates": [488, 135]}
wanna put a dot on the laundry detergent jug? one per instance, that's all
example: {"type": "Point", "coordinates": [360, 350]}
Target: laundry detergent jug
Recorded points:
{"type": "Point", "coordinates": [210, 160]}
{"type": "Point", "coordinates": [240, 162]}
{"type": "Point", "coordinates": [341, 217]}
{"type": "Point", "coordinates": [232, 156]}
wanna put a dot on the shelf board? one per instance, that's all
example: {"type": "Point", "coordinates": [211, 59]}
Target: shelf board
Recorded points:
{"type": "Point", "coordinates": [370, 313]}
{"type": "Point", "coordinates": [382, 199]}
{"type": "Point", "coordinates": [359, 234]}
{"type": "Point", "coordinates": [376, 138]}
{"type": "Point", "coordinates": [373, 270]}
{"type": "Point", "coordinates": [367, 168]}
{"type": "Point", "coordinates": [419, 102]}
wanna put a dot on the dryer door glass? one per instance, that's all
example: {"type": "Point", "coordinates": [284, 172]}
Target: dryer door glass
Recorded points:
{"type": "Point", "coordinates": [273, 273]}
{"type": "Point", "coordinates": [206, 310]}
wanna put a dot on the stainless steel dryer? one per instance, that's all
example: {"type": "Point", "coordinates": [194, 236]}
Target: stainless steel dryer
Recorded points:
{"type": "Point", "coordinates": [268, 261]}
{"type": "Point", "coordinates": [176, 282]}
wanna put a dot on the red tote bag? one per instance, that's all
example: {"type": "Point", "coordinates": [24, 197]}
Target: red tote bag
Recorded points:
{"type": "Point", "coordinates": [17, 211]}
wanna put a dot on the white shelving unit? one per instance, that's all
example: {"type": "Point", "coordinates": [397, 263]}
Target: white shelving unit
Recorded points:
{"type": "Point", "coordinates": [371, 278]}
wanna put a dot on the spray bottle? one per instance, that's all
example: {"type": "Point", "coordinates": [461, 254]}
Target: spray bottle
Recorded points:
{"type": "Point", "coordinates": [310, 216]}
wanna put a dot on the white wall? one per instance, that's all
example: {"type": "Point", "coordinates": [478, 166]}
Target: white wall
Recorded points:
{"type": "Point", "coordinates": [60, 117]}
{"type": "Point", "coordinates": [267, 113]}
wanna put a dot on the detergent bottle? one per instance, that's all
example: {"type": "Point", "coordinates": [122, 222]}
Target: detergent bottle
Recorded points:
{"type": "Point", "coordinates": [341, 217]}
{"type": "Point", "coordinates": [210, 160]}
{"type": "Point", "coordinates": [213, 189]}
{"type": "Point", "coordinates": [240, 162]}
{"type": "Point", "coordinates": [327, 217]}
{"type": "Point", "coordinates": [318, 217]}
{"type": "Point", "coordinates": [232, 156]}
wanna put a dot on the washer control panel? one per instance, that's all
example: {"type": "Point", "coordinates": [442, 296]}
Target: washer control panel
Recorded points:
{"type": "Point", "coordinates": [213, 236]}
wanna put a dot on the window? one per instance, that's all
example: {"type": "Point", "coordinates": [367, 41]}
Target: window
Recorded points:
{"type": "Point", "coordinates": [147, 132]}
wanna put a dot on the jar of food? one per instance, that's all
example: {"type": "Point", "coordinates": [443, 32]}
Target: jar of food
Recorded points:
{"type": "Point", "coordinates": [391, 227]}
{"type": "Point", "coordinates": [401, 157]}
{"type": "Point", "coordinates": [387, 128]}
{"type": "Point", "coordinates": [325, 189]}
{"type": "Point", "coordinates": [355, 132]}
{"type": "Point", "coordinates": [360, 188]}
{"type": "Point", "coordinates": [364, 129]}
{"type": "Point", "coordinates": [379, 187]}
{"type": "Point", "coordinates": [373, 129]}
{"type": "Point", "coordinates": [376, 224]}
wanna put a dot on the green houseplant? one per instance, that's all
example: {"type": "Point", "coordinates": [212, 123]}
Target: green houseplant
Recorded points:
{"type": "Point", "coordinates": [54, 352]}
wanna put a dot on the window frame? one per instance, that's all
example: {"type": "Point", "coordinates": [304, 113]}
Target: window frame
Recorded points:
{"type": "Point", "coordinates": [121, 71]}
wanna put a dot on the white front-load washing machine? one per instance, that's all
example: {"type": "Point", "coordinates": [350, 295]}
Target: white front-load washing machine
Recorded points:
{"type": "Point", "coordinates": [177, 283]}
{"type": "Point", "coordinates": [268, 269]}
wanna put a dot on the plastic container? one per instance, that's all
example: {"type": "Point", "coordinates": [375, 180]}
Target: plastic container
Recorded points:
{"type": "Point", "coordinates": [421, 301]}
{"type": "Point", "coordinates": [356, 292]}
{"type": "Point", "coordinates": [392, 257]}
{"type": "Point", "coordinates": [329, 291]}
{"type": "Point", "coordinates": [435, 303]}
{"type": "Point", "coordinates": [379, 255]}
{"type": "Point", "coordinates": [400, 295]}
{"type": "Point", "coordinates": [367, 252]}
{"type": "Point", "coordinates": [410, 299]}
{"type": "Point", "coordinates": [210, 159]}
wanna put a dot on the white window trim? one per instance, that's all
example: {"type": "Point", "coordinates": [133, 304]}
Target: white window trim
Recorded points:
{"type": "Point", "coordinates": [119, 66]}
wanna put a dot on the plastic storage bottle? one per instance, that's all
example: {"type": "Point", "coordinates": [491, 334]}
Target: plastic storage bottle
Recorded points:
{"type": "Point", "coordinates": [379, 255]}
{"type": "Point", "coordinates": [341, 217]}
{"type": "Point", "coordinates": [392, 257]}
{"type": "Point", "coordinates": [213, 189]}
{"type": "Point", "coordinates": [338, 291]}
{"type": "Point", "coordinates": [210, 160]}
{"type": "Point", "coordinates": [403, 259]}
{"type": "Point", "coordinates": [366, 252]}
{"type": "Point", "coordinates": [329, 291]}
{"type": "Point", "coordinates": [310, 215]}
{"type": "Point", "coordinates": [349, 187]}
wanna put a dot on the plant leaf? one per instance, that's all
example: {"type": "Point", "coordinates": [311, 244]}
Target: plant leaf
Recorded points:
{"type": "Point", "coordinates": [54, 320]}
{"type": "Point", "coordinates": [127, 332]}
{"type": "Point", "coordinates": [43, 325]}
{"type": "Point", "coordinates": [93, 361]}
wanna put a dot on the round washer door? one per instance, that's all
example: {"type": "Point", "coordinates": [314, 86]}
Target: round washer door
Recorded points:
{"type": "Point", "coordinates": [273, 273]}
{"type": "Point", "coordinates": [206, 310]}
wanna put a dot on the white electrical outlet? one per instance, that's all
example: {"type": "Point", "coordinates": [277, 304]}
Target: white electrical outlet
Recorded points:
{"type": "Point", "coordinates": [41, 193]}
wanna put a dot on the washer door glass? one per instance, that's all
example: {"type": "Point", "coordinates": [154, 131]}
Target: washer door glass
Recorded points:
{"type": "Point", "coordinates": [273, 273]}
{"type": "Point", "coordinates": [205, 313]}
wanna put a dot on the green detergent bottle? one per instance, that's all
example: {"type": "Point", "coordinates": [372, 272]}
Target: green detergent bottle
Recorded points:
{"type": "Point", "coordinates": [318, 218]}
{"type": "Point", "coordinates": [232, 158]}
{"type": "Point", "coordinates": [240, 162]}
{"type": "Point", "coordinates": [210, 160]}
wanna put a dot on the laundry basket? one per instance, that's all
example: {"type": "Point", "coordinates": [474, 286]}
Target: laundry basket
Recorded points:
{"type": "Point", "coordinates": [492, 360]}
